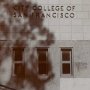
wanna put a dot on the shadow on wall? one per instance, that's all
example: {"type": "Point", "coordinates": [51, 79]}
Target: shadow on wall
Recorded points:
{"type": "Point", "coordinates": [20, 31]}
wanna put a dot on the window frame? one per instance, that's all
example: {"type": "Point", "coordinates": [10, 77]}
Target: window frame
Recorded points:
{"type": "Point", "coordinates": [43, 76]}
{"type": "Point", "coordinates": [70, 49]}
{"type": "Point", "coordinates": [17, 61]}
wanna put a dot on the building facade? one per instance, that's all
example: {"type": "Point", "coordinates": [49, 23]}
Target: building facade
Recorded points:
{"type": "Point", "coordinates": [69, 59]}
{"type": "Point", "coordinates": [74, 59]}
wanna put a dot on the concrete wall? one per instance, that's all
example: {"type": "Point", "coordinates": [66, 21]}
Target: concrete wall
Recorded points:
{"type": "Point", "coordinates": [80, 58]}
{"type": "Point", "coordinates": [81, 62]}
{"type": "Point", "coordinates": [53, 84]}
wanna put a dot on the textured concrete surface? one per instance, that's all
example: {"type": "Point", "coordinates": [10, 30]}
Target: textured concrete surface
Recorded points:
{"type": "Point", "coordinates": [75, 84]}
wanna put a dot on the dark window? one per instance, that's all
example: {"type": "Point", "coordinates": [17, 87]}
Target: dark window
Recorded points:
{"type": "Point", "coordinates": [66, 68]}
{"type": "Point", "coordinates": [66, 61]}
{"type": "Point", "coordinates": [43, 65]}
{"type": "Point", "coordinates": [65, 55]}
{"type": "Point", "coordinates": [18, 53]}
{"type": "Point", "coordinates": [19, 67]}
{"type": "Point", "coordinates": [43, 68]}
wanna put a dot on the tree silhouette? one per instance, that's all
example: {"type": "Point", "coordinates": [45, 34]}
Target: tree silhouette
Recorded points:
{"type": "Point", "coordinates": [19, 25]}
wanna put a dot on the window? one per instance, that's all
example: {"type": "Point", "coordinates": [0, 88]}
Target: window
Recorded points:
{"type": "Point", "coordinates": [18, 54]}
{"type": "Point", "coordinates": [66, 61]}
{"type": "Point", "coordinates": [43, 65]}
{"type": "Point", "coordinates": [19, 68]}
{"type": "Point", "coordinates": [66, 68]}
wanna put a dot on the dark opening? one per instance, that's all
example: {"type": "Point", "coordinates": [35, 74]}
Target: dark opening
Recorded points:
{"type": "Point", "coordinates": [19, 70]}
{"type": "Point", "coordinates": [42, 56]}
{"type": "Point", "coordinates": [18, 53]}
{"type": "Point", "coordinates": [66, 68]}
{"type": "Point", "coordinates": [43, 66]}
{"type": "Point", "coordinates": [19, 66]}
{"type": "Point", "coordinates": [66, 56]}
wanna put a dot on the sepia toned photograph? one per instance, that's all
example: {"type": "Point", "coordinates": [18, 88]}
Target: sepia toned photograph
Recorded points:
{"type": "Point", "coordinates": [44, 44]}
{"type": "Point", "coordinates": [25, 59]}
